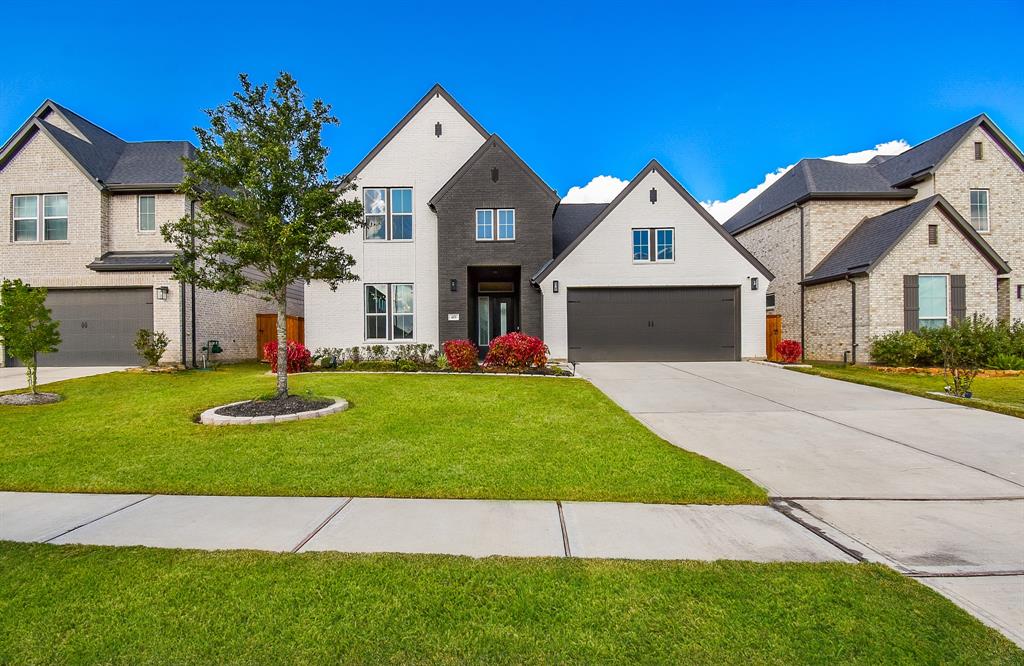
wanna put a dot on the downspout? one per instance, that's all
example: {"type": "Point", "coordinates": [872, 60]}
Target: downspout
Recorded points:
{"type": "Point", "coordinates": [853, 318]}
{"type": "Point", "coordinates": [184, 349]}
{"type": "Point", "coordinates": [803, 274]}
{"type": "Point", "coordinates": [192, 215]}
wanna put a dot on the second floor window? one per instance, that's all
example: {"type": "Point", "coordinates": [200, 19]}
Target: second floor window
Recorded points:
{"type": "Point", "coordinates": [51, 225]}
{"type": "Point", "coordinates": [654, 245]}
{"type": "Point", "coordinates": [979, 209]}
{"type": "Point", "coordinates": [495, 224]}
{"type": "Point", "coordinates": [147, 213]}
{"type": "Point", "coordinates": [387, 212]}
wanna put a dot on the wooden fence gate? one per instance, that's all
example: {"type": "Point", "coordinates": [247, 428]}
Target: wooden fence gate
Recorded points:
{"type": "Point", "coordinates": [773, 336]}
{"type": "Point", "coordinates": [266, 331]}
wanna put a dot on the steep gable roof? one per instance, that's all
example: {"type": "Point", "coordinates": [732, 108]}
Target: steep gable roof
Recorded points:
{"type": "Point", "coordinates": [869, 242]}
{"type": "Point", "coordinates": [882, 177]}
{"type": "Point", "coordinates": [107, 160]}
{"type": "Point", "coordinates": [494, 142]}
{"type": "Point", "coordinates": [436, 91]}
{"type": "Point", "coordinates": [570, 220]}
{"type": "Point", "coordinates": [654, 167]}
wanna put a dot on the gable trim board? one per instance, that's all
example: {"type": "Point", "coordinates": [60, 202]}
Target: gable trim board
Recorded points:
{"type": "Point", "coordinates": [857, 254]}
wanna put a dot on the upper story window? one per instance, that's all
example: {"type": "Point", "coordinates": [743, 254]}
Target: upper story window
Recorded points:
{"type": "Point", "coordinates": [50, 225]}
{"type": "Point", "coordinates": [387, 212]}
{"type": "Point", "coordinates": [654, 245]}
{"type": "Point", "coordinates": [495, 224]}
{"type": "Point", "coordinates": [389, 312]}
{"type": "Point", "coordinates": [146, 213]}
{"type": "Point", "coordinates": [979, 209]}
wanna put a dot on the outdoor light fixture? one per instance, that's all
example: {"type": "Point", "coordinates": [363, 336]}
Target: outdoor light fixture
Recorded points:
{"type": "Point", "coordinates": [554, 286]}
{"type": "Point", "coordinates": [161, 293]}
{"type": "Point", "coordinates": [454, 284]}
{"type": "Point", "coordinates": [753, 284]}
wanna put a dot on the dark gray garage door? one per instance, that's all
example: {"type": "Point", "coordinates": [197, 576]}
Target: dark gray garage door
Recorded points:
{"type": "Point", "coordinates": [654, 324]}
{"type": "Point", "coordinates": [98, 326]}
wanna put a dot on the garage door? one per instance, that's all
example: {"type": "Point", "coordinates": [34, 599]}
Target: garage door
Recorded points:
{"type": "Point", "coordinates": [98, 326]}
{"type": "Point", "coordinates": [654, 324]}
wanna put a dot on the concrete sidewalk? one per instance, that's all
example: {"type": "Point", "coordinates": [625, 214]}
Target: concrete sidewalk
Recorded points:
{"type": "Point", "coordinates": [477, 528]}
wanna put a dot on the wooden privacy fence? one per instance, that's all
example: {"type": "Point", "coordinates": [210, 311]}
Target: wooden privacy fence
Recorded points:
{"type": "Point", "coordinates": [266, 331]}
{"type": "Point", "coordinates": [773, 336]}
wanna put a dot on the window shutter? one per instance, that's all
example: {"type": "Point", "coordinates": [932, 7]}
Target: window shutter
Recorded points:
{"type": "Point", "coordinates": [958, 297]}
{"type": "Point", "coordinates": [911, 307]}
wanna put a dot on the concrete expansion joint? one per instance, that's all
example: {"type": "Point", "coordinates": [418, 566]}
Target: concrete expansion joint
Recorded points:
{"type": "Point", "coordinates": [322, 525]}
{"type": "Point", "coordinates": [98, 518]}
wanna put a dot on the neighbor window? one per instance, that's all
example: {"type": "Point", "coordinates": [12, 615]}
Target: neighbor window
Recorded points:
{"type": "Point", "coordinates": [932, 301]}
{"type": "Point", "coordinates": [147, 212]}
{"type": "Point", "coordinates": [495, 224]}
{"type": "Point", "coordinates": [51, 226]}
{"type": "Point", "coordinates": [654, 245]}
{"type": "Point", "coordinates": [387, 212]}
{"type": "Point", "coordinates": [389, 312]}
{"type": "Point", "coordinates": [769, 301]}
{"type": "Point", "coordinates": [979, 209]}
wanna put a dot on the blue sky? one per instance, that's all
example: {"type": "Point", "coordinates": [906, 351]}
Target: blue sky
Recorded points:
{"type": "Point", "coordinates": [721, 93]}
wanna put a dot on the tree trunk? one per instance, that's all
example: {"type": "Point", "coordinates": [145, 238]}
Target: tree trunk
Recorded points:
{"type": "Point", "coordinates": [31, 371]}
{"type": "Point", "coordinates": [282, 346]}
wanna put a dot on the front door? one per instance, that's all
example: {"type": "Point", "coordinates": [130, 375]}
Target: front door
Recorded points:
{"type": "Point", "coordinates": [495, 315]}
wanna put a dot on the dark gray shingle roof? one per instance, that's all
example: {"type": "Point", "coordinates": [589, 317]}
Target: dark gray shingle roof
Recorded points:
{"type": "Point", "coordinates": [925, 156]}
{"type": "Point", "coordinates": [133, 261]}
{"type": "Point", "coordinates": [569, 222]}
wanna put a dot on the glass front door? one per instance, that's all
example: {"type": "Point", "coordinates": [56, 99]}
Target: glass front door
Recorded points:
{"type": "Point", "coordinates": [495, 316]}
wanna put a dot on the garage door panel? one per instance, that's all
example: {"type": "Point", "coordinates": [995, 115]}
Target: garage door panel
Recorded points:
{"type": "Point", "coordinates": [98, 326]}
{"type": "Point", "coordinates": [653, 324]}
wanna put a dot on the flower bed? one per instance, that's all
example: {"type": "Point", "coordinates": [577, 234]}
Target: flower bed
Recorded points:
{"type": "Point", "coordinates": [256, 412]}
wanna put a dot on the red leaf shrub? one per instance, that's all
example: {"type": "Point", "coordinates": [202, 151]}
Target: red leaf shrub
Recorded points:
{"type": "Point", "coordinates": [461, 355]}
{"type": "Point", "coordinates": [517, 351]}
{"type": "Point", "coordinates": [299, 358]}
{"type": "Point", "coordinates": [789, 350]}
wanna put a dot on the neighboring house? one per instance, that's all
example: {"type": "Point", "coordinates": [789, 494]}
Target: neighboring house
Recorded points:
{"type": "Point", "coordinates": [80, 213]}
{"type": "Point", "coordinates": [902, 242]}
{"type": "Point", "coordinates": [464, 240]}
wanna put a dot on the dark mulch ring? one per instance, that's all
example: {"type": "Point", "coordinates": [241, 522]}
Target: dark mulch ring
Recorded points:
{"type": "Point", "coordinates": [29, 399]}
{"type": "Point", "coordinates": [293, 404]}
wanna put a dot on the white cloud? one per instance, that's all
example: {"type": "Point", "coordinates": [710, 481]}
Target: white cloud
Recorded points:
{"type": "Point", "coordinates": [723, 210]}
{"type": "Point", "coordinates": [600, 189]}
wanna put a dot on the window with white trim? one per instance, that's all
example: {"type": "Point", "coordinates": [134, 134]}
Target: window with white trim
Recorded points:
{"type": "Point", "coordinates": [147, 212]}
{"type": "Point", "coordinates": [35, 219]}
{"type": "Point", "coordinates": [387, 213]}
{"type": "Point", "coordinates": [933, 300]}
{"type": "Point", "coordinates": [495, 224]}
{"type": "Point", "coordinates": [979, 209]}
{"type": "Point", "coordinates": [654, 245]}
{"type": "Point", "coordinates": [389, 312]}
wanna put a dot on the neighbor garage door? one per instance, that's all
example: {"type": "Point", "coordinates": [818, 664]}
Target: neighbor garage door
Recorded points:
{"type": "Point", "coordinates": [654, 324]}
{"type": "Point", "coordinates": [98, 326]}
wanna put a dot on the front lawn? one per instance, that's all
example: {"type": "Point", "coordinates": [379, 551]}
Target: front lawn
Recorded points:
{"type": "Point", "coordinates": [405, 436]}
{"type": "Point", "coordinates": [83, 604]}
{"type": "Point", "coordinates": [998, 394]}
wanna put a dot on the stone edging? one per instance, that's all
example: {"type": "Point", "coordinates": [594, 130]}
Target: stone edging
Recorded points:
{"type": "Point", "coordinates": [210, 417]}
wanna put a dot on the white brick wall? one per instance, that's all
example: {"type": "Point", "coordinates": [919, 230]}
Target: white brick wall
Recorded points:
{"type": "Point", "coordinates": [703, 258]}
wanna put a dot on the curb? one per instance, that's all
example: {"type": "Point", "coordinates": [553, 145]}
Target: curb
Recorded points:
{"type": "Point", "coordinates": [210, 417]}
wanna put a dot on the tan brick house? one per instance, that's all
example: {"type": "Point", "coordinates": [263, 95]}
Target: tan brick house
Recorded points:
{"type": "Point", "coordinates": [80, 214]}
{"type": "Point", "coordinates": [902, 242]}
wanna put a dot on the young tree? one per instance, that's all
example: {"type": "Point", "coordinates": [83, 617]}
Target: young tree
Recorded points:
{"type": "Point", "coordinates": [26, 328]}
{"type": "Point", "coordinates": [265, 208]}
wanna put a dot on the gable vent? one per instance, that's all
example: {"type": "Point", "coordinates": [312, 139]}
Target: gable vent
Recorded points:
{"type": "Point", "coordinates": [654, 195]}
{"type": "Point", "coordinates": [437, 129]}
{"type": "Point", "coordinates": [494, 174]}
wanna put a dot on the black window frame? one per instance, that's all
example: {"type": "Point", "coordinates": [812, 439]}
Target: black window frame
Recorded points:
{"type": "Point", "coordinates": [389, 222]}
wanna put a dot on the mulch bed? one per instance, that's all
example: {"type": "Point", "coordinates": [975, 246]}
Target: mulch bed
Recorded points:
{"type": "Point", "coordinates": [29, 399]}
{"type": "Point", "coordinates": [280, 407]}
{"type": "Point", "coordinates": [988, 373]}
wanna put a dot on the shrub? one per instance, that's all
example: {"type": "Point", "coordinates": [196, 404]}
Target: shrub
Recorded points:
{"type": "Point", "coordinates": [377, 353]}
{"type": "Point", "coordinates": [789, 350]}
{"type": "Point", "coordinates": [299, 357]}
{"type": "Point", "coordinates": [151, 345]}
{"type": "Point", "coordinates": [965, 347]}
{"type": "Point", "coordinates": [461, 355]}
{"type": "Point", "coordinates": [1006, 362]}
{"type": "Point", "coordinates": [418, 353]}
{"type": "Point", "coordinates": [355, 354]}
{"type": "Point", "coordinates": [899, 349]}
{"type": "Point", "coordinates": [517, 352]}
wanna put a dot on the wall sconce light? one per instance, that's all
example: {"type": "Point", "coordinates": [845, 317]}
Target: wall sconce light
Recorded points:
{"type": "Point", "coordinates": [161, 293]}
{"type": "Point", "coordinates": [554, 286]}
{"type": "Point", "coordinates": [753, 284]}
{"type": "Point", "coordinates": [454, 284]}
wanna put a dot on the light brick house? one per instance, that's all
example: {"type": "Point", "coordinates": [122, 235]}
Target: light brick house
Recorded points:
{"type": "Point", "coordinates": [918, 239]}
{"type": "Point", "coordinates": [80, 214]}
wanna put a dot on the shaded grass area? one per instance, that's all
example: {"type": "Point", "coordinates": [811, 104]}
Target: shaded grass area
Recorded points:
{"type": "Point", "coordinates": [135, 605]}
{"type": "Point", "coordinates": [405, 436]}
{"type": "Point", "coordinates": [1004, 395]}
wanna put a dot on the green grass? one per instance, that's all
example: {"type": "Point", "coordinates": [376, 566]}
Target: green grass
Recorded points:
{"type": "Point", "coordinates": [997, 394]}
{"type": "Point", "coordinates": [405, 436]}
{"type": "Point", "coordinates": [135, 606]}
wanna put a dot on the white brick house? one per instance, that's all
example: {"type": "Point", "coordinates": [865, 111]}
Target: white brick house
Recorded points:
{"type": "Point", "coordinates": [826, 230]}
{"type": "Point", "coordinates": [80, 213]}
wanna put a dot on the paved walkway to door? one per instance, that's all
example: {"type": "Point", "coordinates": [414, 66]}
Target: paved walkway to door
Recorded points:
{"type": "Point", "coordinates": [933, 489]}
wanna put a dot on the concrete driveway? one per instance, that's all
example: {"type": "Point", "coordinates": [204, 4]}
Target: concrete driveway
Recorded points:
{"type": "Point", "coordinates": [932, 489]}
{"type": "Point", "coordinates": [12, 379]}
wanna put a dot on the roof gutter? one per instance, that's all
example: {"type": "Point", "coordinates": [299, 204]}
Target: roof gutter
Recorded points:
{"type": "Point", "coordinates": [142, 187]}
